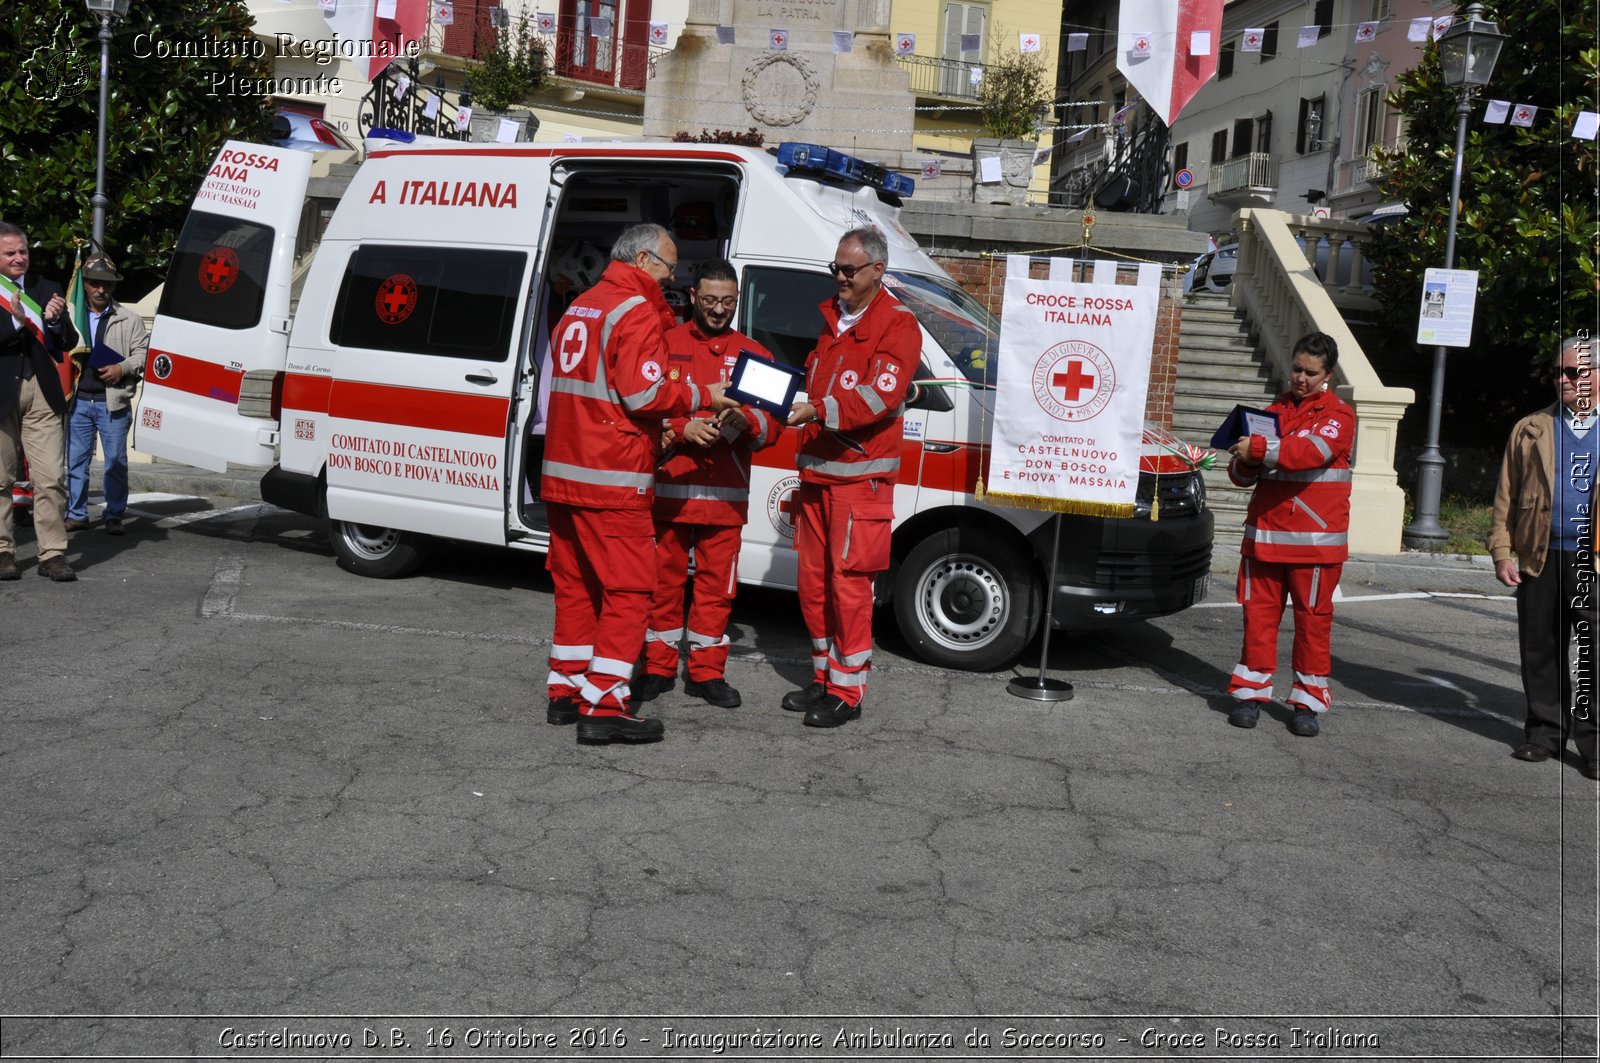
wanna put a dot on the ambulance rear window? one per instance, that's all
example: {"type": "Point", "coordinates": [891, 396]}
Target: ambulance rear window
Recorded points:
{"type": "Point", "coordinates": [219, 272]}
{"type": "Point", "coordinates": [449, 302]}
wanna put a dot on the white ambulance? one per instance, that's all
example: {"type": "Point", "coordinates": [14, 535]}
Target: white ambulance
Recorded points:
{"type": "Point", "coordinates": [392, 386]}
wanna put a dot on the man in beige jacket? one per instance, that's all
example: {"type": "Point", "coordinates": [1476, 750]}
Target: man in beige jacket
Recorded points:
{"type": "Point", "coordinates": [1544, 514]}
{"type": "Point", "coordinates": [103, 406]}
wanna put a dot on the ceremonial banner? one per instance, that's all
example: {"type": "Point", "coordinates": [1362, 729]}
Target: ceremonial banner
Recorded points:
{"type": "Point", "coordinates": [1073, 375]}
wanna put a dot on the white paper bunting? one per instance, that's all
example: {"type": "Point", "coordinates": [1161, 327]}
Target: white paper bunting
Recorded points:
{"type": "Point", "coordinates": [1496, 111]}
{"type": "Point", "coordinates": [843, 41]}
{"type": "Point", "coordinates": [905, 44]}
{"type": "Point", "coordinates": [401, 85]}
{"type": "Point", "coordinates": [658, 33]}
{"type": "Point", "coordinates": [971, 42]}
{"type": "Point", "coordinates": [931, 169]}
{"type": "Point", "coordinates": [1418, 29]}
{"type": "Point", "coordinates": [328, 7]}
{"type": "Point", "coordinates": [1440, 24]}
{"type": "Point", "coordinates": [1251, 41]}
{"type": "Point", "coordinates": [1309, 35]}
{"type": "Point", "coordinates": [386, 9]}
{"type": "Point", "coordinates": [431, 108]}
{"type": "Point", "coordinates": [463, 118]}
{"type": "Point", "coordinates": [1366, 32]}
{"type": "Point", "coordinates": [778, 40]}
{"type": "Point", "coordinates": [1077, 42]}
{"type": "Point", "coordinates": [975, 76]}
{"type": "Point", "coordinates": [1586, 126]}
{"type": "Point", "coordinates": [545, 21]}
{"type": "Point", "coordinates": [599, 27]}
{"type": "Point", "coordinates": [1141, 46]}
{"type": "Point", "coordinates": [445, 14]}
{"type": "Point", "coordinates": [1200, 42]}
{"type": "Point", "coordinates": [725, 35]}
{"type": "Point", "coordinates": [1523, 115]}
{"type": "Point", "coordinates": [1027, 42]}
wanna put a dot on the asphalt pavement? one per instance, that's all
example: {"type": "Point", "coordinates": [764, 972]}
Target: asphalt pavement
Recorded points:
{"type": "Point", "coordinates": [252, 806]}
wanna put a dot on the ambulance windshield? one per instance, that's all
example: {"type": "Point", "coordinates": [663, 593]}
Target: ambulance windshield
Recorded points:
{"type": "Point", "coordinates": [968, 333]}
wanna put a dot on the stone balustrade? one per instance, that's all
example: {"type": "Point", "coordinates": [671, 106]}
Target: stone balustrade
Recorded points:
{"type": "Point", "coordinates": [1277, 287]}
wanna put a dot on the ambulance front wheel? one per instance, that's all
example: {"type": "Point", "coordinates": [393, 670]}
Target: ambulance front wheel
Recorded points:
{"type": "Point", "coordinates": [968, 598]}
{"type": "Point", "coordinates": [382, 553]}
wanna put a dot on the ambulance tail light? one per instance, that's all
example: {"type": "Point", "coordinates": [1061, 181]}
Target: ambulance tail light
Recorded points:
{"type": "Point", "coordinates": [261, 394]}
{"type": "Point", "coordinates": [825, 162]}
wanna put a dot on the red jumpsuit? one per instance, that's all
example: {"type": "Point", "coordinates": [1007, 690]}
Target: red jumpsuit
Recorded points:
{"type": "Point", "coordinates": [1296, 540]}
{"type": "Point", "coordinates": [610, 391]}
{"type": "Point", "coordinates": [849, 459]}
{"type": "Point", "coordinates": [702, 499]}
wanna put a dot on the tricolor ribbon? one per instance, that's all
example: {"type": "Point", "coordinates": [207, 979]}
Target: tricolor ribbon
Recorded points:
{"type": "Point", "coordinates": [12, 297]}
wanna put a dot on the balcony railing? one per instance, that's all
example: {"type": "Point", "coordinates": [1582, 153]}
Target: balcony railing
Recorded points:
{"type": "Point", "coordinates": [1255, 172]}
{"type": "Point", "coordinates": [620, 64]}
{"type": "Point", "coordinates": [949, 79]}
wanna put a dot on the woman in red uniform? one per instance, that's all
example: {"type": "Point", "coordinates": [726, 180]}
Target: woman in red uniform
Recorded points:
{"type": "Point", "coordinates": [1296, 536]}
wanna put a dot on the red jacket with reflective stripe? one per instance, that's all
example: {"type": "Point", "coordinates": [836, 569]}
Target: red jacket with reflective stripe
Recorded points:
{"type": "Point", "coordinates": [609, 391]}
{"type": "Point", "coordinates": [858, 383]}
{"type": "Point", "coordinates": [709, 485]}
{"type": "Point", "coordinates": [1300, 510]}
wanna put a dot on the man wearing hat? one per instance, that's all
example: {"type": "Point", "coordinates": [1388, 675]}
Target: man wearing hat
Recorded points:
{"type": "Point", "coordinates": [103, 406]}
{"type": "Point", "coordinates": [32, 406]}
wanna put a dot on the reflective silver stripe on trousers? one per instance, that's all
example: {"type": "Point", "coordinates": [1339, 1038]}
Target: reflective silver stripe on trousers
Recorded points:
{"type": "Point", "coordinates": [698, 641]}
{"type": "Point", "coordinates": [571, 653]}
{"type": "Point", "coordinates": [721, 494]}
{"type": "Point", "coordinates": [1310, 476]}
{"type": "Point", "coordinates": [877, 467]}
{"type": "Point", "coordinates": [1246, 582]}
{"type": "Point", "coordinates": [612, 666]}
{"type": "Point", "coordinates": [598, 477]}
{"type": "Point", "coordinates": [1316, 583]}
{"type": "Point", "coordinates": [652, 635]}
{"type": "Point", "coordinates": [847, 679]}
{"type": "Point", "coordinates": [854, 660]}
{"type": "Point", "coordinates": [1287, 538]}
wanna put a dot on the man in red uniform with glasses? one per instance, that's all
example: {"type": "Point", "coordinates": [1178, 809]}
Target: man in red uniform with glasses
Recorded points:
{"type": "Point", "coordinates": [702, 498]}
{"type": "Point", "coordinates": [610, 391]}
{"type": "Point", "coordinates": [857, 379]}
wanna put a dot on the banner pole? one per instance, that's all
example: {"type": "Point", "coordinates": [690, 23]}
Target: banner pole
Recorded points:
{"type": "Point", "coordinates": [1042, 688]}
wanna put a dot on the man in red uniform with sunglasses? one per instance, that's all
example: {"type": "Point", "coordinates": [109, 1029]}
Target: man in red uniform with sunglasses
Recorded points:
{"type": "Point", "coordinates": [857, 379]}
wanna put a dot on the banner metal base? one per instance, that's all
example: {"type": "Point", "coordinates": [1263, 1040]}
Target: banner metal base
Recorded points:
{"type": "Point", "coordinates": [1040, 688]}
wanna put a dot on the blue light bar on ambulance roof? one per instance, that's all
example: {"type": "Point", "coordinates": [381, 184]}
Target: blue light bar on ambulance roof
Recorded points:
{"type": "Point", "coordinates": [825, 162]}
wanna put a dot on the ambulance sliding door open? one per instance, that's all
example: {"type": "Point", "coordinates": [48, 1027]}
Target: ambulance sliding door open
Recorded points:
{"type": "Point", "coordinates": [598, 199]}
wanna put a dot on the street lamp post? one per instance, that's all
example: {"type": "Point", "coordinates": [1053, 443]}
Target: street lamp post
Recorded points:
{"type": "Point", "coordinates": [1468, 52]}
{"type": "Point", "coordinates": [110, 12]}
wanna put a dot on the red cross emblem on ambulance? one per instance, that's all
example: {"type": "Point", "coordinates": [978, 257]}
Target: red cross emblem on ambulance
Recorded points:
{"type": "Point", "coordinates": [219, 269]}
{"type": "Point", "coordinates": [396, 299]}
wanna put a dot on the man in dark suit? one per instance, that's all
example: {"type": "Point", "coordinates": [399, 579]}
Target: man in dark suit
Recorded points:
{"type": "Point", "coordinates": [32, 411]}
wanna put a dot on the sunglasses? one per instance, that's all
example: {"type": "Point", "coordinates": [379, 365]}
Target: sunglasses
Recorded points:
{"type": "Point", "coordinates": [1574, 372]}
{"type": "Point", "coordinates": [848, 272]}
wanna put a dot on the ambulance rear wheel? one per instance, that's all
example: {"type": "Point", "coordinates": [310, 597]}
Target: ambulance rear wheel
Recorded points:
{"type": "Point", "coordinates": [964, 598]}
{"type": "Point", "coordinates": [382, 553]}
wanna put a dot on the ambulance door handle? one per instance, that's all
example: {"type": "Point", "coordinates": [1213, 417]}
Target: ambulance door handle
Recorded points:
{"type": "Point", "coordinates": [486, 379]}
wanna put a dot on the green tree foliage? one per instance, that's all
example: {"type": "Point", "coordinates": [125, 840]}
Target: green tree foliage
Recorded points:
{"type": "Point", "coordinates": [1528, 219]}
{"type": "Point", "coordinates": [167, 118]}
{"type": "Point", "coordinates": [511, 71]}
{"type": "Point", "coordinates": [1014, 95]}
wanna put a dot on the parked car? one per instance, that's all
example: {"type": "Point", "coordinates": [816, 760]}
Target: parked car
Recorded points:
{"type": "Point", "coordinates": [304, 132]}
{"type": "Point", "coordinates": [1213, 271]}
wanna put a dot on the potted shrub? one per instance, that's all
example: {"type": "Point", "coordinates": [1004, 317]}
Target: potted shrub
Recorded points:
{"type": "Point", "coordinates": [509, 73]}
{"type": "Point", "coordinates": [1013, 97]}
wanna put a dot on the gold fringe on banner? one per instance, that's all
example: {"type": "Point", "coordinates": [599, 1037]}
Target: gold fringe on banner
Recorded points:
{"type": "Point", "coordinates": [1059, 505]}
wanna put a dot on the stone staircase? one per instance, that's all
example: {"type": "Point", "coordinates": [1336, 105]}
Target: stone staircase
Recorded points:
{"type": "Point", "coordinates": [1219, 368]}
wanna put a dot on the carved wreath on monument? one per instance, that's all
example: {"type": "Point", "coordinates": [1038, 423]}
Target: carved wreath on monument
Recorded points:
{"type": "Point", "coordinates": [771, 85]}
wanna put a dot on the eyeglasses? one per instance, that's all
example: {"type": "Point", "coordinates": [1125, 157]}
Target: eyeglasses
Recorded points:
{"type": "Point", "coordinates": [711, 302]}
{"type": "Point", "coordinates": [847, 271]}
{"type": "Point", "coordinates": [673, 266]}
{"type": "Point", "coordinates": [1573, 372]}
